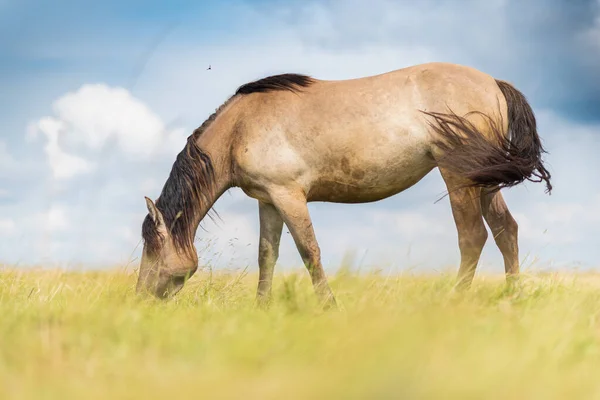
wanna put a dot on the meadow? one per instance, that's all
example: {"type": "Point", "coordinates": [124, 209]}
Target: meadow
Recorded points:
{"type": "Point", "coordinates": [76, 335]}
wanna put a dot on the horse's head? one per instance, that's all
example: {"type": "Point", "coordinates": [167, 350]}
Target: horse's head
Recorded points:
{"type": "Point", "coordinates": [164, 267]}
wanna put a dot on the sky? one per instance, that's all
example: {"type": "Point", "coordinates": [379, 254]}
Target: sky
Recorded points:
{"type": "Point", "coordinates": [96, 100]}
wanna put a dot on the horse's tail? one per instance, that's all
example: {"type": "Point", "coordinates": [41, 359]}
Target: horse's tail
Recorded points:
{"type": "Point", "coordinates": [507, 160]}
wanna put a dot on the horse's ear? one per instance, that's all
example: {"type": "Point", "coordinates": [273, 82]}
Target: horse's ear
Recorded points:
{"type": "Point", "coordinates": [155, 214]}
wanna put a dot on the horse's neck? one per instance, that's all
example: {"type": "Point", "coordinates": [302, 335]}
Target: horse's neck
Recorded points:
{"type": "Point", "coordinates": [221, 185]}
{"type": "Point", "coordinates": [216, 143]}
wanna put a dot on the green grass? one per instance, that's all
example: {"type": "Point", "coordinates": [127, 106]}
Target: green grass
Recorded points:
{"type": "Point", "coordinates": [87, 336]}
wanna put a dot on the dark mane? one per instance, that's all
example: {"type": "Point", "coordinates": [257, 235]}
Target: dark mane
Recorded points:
{"type": "Point", "coordinates": [291, 82]}
{"type": "Point", "coordinates": [191, 182]}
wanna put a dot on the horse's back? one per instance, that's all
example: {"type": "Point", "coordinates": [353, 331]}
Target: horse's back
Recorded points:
{"type": "Point", "coordinates": [432, 86]}
{"type": "Point", "coordinates": [359, 139]}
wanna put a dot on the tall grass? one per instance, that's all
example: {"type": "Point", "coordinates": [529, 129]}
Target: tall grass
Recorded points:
{"type": "Point", "coordinates": [87, 335]}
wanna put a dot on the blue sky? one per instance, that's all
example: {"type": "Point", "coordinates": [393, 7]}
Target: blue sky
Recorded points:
{"type": "Point", "coordinates": [96, 100]}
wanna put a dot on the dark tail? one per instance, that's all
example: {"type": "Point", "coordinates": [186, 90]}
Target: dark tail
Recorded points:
{"type": "Point", "coordinates": [506, 161]}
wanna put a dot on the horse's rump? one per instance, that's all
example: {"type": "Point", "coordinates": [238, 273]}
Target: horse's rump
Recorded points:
{"type": "Point", "coordinates": [492, 159]}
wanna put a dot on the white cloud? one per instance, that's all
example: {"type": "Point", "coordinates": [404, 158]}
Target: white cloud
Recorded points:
{"type": "Point", "coordinates": [63, 165]}
{"type": "Point", "coordinates": [92, 117]}
{"type": "Point", "coordinates": [56, 219]}
{"type": "Point", "coordinates": [97, 113]}
{"type": "Point", "coordinates": [7, 226]}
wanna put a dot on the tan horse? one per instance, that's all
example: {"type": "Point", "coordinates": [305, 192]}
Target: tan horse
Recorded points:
{"type": "Point", "coordinates": [289, 139]}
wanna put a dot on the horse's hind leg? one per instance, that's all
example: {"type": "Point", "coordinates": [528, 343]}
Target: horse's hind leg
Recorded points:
{"type": "Point", "coordinates": [472, 234]}
{"type": "Point", "coordinates": [292, 206]}
{"type": "Point", "coordinates": [505, 231]}
{"type": "Point", "coordinates": [271, 225]}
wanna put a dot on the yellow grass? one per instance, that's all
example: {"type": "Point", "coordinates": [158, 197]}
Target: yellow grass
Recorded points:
{"type": "Point", "coordinates": [87, 336]}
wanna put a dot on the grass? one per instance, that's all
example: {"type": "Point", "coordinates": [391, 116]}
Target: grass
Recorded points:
{"type": "Point", "coordinates": [86, 335]}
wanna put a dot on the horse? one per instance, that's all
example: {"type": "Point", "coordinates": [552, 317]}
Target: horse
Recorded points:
{"type": "Point", "coordinates": [290, 139]}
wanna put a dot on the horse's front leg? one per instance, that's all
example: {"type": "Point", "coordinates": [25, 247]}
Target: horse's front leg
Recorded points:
{"type": "Point", "coordinates": [271, 225]}
{"type": "Point", "coordinates": [294, 211]}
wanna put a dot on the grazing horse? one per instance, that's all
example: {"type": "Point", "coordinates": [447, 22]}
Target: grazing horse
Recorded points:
{"type": "Point", "coordinates": [289, 139]}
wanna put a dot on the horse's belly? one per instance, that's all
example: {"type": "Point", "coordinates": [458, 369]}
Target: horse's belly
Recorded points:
{"type": "Point", "coordinates": [372, 187]}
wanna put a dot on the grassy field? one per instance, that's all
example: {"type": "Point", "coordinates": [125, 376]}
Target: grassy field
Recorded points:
{"type": "Point", "coordinates": [87, 336]}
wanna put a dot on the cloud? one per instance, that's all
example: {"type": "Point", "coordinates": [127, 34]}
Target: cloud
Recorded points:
{"type": "Point", "coordinates": [96, 113]}
{"type": "Point", "coordinates": [94, 117]}
{"type": "Point", "coordinates": [63, 165]}
{"type": "Point", "coordinates": [124, 151]}
{"type": "Point", "coordinates": [56, 219]}
{"type": "Point", "coordinates": [7, 226]}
